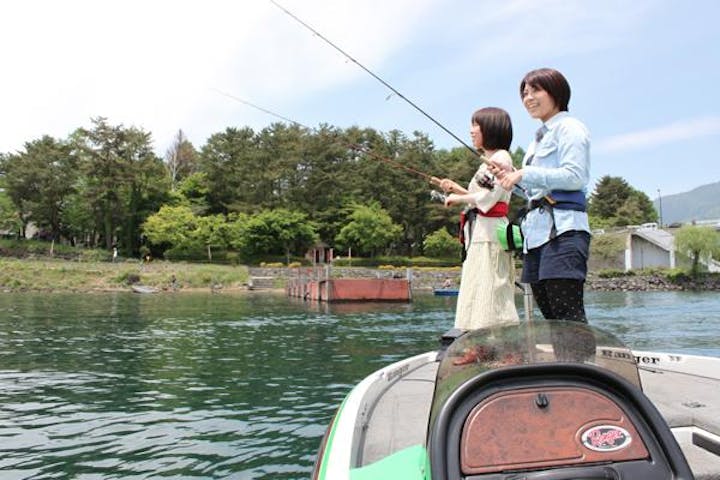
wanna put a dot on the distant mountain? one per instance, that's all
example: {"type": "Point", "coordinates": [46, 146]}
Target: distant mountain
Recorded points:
{"type": "Point", "coordinates": [701, 203]}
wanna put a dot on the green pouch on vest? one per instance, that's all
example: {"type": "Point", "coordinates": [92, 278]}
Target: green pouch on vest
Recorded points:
{"type": "Point", "coordinates": [510, 236]}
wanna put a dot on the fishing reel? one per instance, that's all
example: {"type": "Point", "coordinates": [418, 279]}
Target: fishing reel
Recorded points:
{"type": "Point", "coordinates": [438, 196]}
{"type": "Point", "coordinates": [486, 180]}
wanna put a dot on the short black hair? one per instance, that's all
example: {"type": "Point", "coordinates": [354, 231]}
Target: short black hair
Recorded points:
{"type": "Point", "coordinates": [495, 126]}
{"type": "Point", "coordinates": [552, 81]}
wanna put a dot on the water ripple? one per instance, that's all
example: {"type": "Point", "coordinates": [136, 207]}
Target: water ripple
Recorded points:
{"type": "Point", "coordinates": [222, 386]}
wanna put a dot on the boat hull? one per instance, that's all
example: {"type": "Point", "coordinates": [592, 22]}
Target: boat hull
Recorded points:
{"type": "Point", "coordinates": [374, 436]}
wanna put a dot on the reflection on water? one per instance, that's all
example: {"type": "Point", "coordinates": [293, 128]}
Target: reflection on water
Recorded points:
{"type": "Point", "coordinates": [672, 321]}
{"type": "Point", "coordinates": [231, 386]}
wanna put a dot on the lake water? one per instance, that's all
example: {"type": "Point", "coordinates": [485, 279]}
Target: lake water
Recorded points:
{"type": "Point", "coordinates": [96, 386]}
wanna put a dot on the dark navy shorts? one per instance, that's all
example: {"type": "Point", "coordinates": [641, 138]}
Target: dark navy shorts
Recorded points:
{"type": "Point", "coordinates": [565, 256]}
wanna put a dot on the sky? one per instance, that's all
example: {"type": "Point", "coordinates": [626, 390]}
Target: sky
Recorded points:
{"type": "Point", "coordinates": [645, 75]}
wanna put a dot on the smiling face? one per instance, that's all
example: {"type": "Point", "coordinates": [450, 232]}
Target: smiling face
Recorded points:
{"type": "Point", "coordinates": [476, 135]}
{"type": "Point", "coordinates": [539, 103]}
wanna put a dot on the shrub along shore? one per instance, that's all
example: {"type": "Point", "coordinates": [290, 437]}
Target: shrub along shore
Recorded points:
{"type": "Point", "coordinates": [49, 275]}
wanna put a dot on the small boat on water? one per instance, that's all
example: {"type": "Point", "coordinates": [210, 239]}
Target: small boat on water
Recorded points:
{"type": "Point", "coordinates": [547, 400]}
{"type": "Point", "coordinates": [144, 289]}
{"type": "Point", "coordinates": [446, 292]}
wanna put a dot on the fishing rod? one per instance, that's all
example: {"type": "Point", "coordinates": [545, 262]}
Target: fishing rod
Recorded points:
{"type": "Point", "coordinates": [520, 191]}
{"type": "Point", "coordinates": [376, 77]}
{"type": "Point", "coordinates": [353, 146]}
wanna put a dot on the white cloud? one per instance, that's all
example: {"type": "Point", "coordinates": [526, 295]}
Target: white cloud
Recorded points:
{"type": "Point", "coordinates": [674, 132]}
{"type": "Point", "coordinates": [158, 65]}
{"type": "Point", "coordinates": [496, 34]}
{"type": "Point", "coordinates": [155, 64]}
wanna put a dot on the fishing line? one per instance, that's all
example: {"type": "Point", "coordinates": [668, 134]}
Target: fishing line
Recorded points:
{"type": "Point", "coordinates": [376, 77]}
{"type": "Point", "coordinates": [353, 146]}
{"type": "Point", "coordinates": [520, 191]}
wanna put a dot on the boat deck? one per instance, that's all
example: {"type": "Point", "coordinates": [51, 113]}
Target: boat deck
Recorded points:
{"type": "Point", "coordinates": [688, 403]}
{"type": "Point", "coordinates": [400, 418]}
{"type": "Point", "coordinates": [692, 402]}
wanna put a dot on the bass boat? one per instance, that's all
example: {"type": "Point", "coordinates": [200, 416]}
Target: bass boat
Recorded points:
{"type": "Point", "coordinates": [144, 289]}
{"type": "Point", "coordinates": [446, 292]}
{"type": "Point", "coordinates": [545, 400]}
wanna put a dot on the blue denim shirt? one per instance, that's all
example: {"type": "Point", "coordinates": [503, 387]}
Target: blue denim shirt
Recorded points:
{"type": "Point", "coordinates": [559, 161]}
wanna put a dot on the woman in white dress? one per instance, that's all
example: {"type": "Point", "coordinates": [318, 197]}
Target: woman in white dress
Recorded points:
{"type": "Point", "coordinates": [486, 297]}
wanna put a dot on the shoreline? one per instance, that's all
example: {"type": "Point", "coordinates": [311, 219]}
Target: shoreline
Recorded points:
{"type": "Point", "coordinates": [630, 283]}
{"type": "Point", "coordinates": [49, 275]}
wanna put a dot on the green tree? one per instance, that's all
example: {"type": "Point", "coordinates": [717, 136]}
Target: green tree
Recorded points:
{"type": "Point", "coordinates": [123, 180]}
{"type": "Point", "coordinates": [237, 237]}
{"type": "Point", "coordinates": [279, 231]}
{"type": "Point", "coordinates": [615, 203]}
{"type": "Point", "coordinates": [610, 194]}
{"type": "Point", "coordinates": [285, 168]}
{"type": "Point", "coordinates": [458, 164]}
{"type": "Point", "coordinates": [441, 244]}
{"type": "Point", "coordinates": [39, 180]}
{"type": "Point", "coordinates": [78, 217]}
{"type": "Point", "coordinates": [390, 169]}
{"type": "Point", "coordinates": [171, 226]}
{"type": "Point", "coordinates": [103, 169]}
{"type": "Point", "coordinates": [145, 189]}
{"type": "Point", "coordinates": [322, 181]}
{"type": "Point", "coordinates": [16, 192]}
{"type": "Point", "coordinates": [9, 218]}
{"type": "Point", "coordinates": [211, 232]}
{"type": "Point", "coordinates": [637, 209]}
{"type": "Point", "coordinates": [230, 163]}
{"type": "Point", "coordinates": [370, 230]}
{"type": "Point", "coordinates": [699, 243]}
{"type": "Point", "coordinates": [193, 191]}
{"type": "Point", "coordinates": [409, 206]}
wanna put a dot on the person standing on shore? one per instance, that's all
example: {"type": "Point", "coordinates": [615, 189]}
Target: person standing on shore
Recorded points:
{"type": "Point", "coordinates": [487, 282]}
{"type": "Point", "coordinates": [555, 172]}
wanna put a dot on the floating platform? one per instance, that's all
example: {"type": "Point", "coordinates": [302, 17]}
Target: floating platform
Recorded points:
{"type": "Point", "coordinates": [352, 289]}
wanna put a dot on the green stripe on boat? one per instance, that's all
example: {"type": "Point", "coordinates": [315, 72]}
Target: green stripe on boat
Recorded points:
{"type": "Point", "coordinates": [407, 464]}
{"type": "Point", "coordinates": [331, 436]}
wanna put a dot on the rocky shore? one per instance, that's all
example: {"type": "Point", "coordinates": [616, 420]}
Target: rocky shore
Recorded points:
{"type": "Point", "coordinates": [648, 283]}
{"type": "Point", "coordinates": [427, 279]}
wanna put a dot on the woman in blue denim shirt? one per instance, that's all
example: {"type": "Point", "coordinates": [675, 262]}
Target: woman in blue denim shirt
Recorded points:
{"type": "Point", "coordinates": [555, 174]}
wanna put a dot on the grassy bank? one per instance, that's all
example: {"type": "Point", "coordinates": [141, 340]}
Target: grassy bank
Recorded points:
{"type": "Point", "coordinates": [64, 275]}
{"type": "Point", "coordinates": [45, 274]}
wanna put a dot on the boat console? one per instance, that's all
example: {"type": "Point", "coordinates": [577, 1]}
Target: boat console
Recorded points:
{"type": "Point", "coordinates": [546, 401]}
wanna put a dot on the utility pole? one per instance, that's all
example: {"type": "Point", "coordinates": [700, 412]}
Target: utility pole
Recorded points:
{"type": "Point", "coordinates": [660, 207]}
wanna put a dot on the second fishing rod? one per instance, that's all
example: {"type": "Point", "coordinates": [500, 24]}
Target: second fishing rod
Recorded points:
{"type": "Point", "coordinates": [353, 146]}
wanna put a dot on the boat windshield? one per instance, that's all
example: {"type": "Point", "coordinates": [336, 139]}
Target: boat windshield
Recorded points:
{"type": "Point", "coordinates": [525, 344]}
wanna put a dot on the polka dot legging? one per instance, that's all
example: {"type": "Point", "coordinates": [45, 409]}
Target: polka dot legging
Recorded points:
{"type": "Point", "coordinates": [560, 299]}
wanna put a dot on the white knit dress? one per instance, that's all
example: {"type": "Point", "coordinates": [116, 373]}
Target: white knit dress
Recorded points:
{"type": "Point", "coordinates": [487, 285]}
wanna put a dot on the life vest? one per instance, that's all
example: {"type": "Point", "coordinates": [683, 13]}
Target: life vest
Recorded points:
{"type": "Point", "coordinates": [500, 209]}
{"type": "Point", "coordinates": [558, 199]}
{"type": "Point", "coordinates": [563, 200]}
